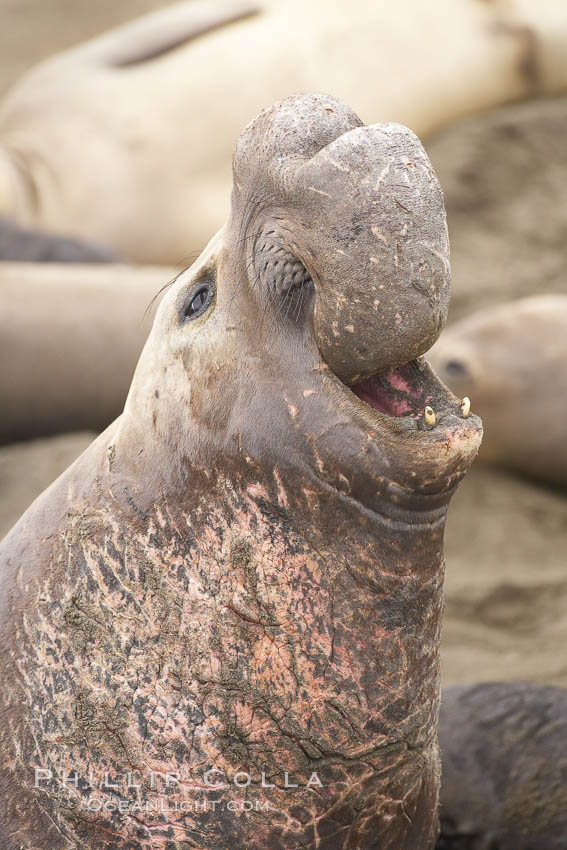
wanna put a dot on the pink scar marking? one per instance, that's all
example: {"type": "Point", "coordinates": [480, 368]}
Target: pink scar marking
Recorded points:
{"type": "Point", "coordinates": [293, 410]}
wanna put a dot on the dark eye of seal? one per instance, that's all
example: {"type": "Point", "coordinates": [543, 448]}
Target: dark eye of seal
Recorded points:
{"type": "Point", "coordinates": [455, 368]}
{"type": "Point", "coordinates": [196, 302]}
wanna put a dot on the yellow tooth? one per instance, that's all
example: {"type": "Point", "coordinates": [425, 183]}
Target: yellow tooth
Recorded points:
{"type": "Point", "coordinates": [429, 415]}
{"type": "Point", "coordinates": [465, 407]}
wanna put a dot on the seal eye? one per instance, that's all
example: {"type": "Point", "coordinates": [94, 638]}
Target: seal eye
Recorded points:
{"type": "Point", "coordinates": [197, 302]}
{"type": "Point", "coordinates": [455, 368]}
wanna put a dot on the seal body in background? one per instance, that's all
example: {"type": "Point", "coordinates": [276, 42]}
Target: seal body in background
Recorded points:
{"type": "Point", "coordinates": [504, 754]}
{"type": "Point", "coordinates": [146, 113]}
{"type": "Point", "coordinates": [235, 594]}
{"type": "Point", "coordinates": [70, 337]}
{"type": "Point", "coordinates": [511, 360]}
{"type": "Point", "coordinates": [20, 245]}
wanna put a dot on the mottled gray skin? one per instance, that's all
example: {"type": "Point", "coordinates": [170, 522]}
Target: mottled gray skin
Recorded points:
{"type": "Point", "coordinates": [20, 244]}
{"type": "Point", "coordinates": [504, 758]}
{"type": "Point", "coordinates": [245, 570]}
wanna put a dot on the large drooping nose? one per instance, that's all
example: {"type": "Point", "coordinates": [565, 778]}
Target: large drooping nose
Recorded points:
{"type": "Point", "coordinates": [373, 210]}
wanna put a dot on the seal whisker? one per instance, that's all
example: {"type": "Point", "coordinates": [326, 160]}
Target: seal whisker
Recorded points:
{"type": "Point", "coordinates": [299, 304]}
{"type": "Point", "coordinates": [162, 290]}
{"type": "Point", "coordinates": [247, 263]}
{"type": "Point", "coordinates": [187, 263]}
{"type": "Point", "coordinates": [256, 283]}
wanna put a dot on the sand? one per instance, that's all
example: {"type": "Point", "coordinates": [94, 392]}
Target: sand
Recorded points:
{"type": "Point", "coordinates": [506, 581]}
{"type": "Point", "coordinates": [26, 469]}
{"type": "Point", "coordinates": [504, 175]}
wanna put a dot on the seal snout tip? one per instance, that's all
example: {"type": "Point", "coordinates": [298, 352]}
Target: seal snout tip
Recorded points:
{"type": "Point", "coordinates": [413, 393]}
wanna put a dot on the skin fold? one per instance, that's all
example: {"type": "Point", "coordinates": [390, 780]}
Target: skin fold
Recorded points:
{"type": "Point", "coordinates": [244, 572]}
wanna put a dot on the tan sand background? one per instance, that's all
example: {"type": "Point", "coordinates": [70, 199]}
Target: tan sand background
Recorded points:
{"type": "Point", "coordinates": [506, 584]}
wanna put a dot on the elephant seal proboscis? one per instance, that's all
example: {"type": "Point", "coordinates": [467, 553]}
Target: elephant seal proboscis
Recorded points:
{"type": "Point", "coordinates": [512, 361]}
{"type": "Point", "coordinates": [146, 114]}
{"type": "Point", "coordinates": [232, 600]}
{"type": "Point", "coordinates": [504, 756]}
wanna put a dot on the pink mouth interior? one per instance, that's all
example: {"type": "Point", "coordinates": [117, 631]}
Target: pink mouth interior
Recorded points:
{"type": "Point", "coordinates": [392, 394]}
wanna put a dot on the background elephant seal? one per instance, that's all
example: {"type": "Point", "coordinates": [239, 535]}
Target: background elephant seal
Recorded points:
{"type": "Point", "coordinates": [70, 336]}
{"type": "Point", "coordinates": [504, 755]}
{"type": "Point", "coordinates": [19, 244]}
{"type": "Point", "coordinates": [511, 360]}
{"type": "Point", "coordinates": [240, 582]}
{"type": "Point", "coordinates": [145, 114]}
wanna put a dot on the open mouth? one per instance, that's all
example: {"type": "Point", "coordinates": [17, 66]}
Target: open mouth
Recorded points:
{"type": "Point", "coordinates": [413, 393]}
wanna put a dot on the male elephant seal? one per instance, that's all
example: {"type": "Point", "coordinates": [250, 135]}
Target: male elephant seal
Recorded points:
{"type": "Point", "coordinates": [504, 756]}
{"type": "Point", "coordinates": [232, 600]}
{"type": "Point", "coordinates": [512, 361]}
{"type": "Point", "coordinates": [146, 114]}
